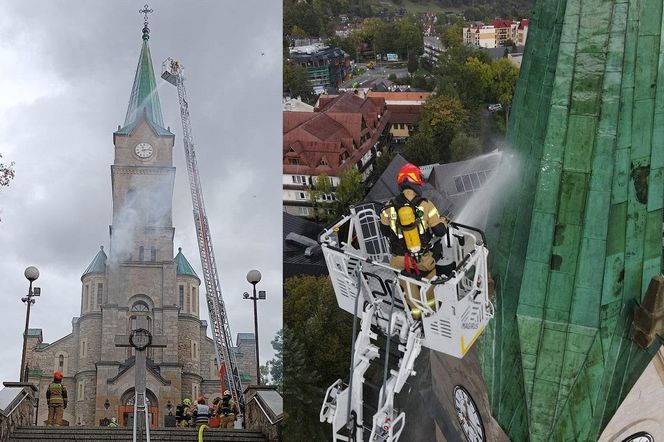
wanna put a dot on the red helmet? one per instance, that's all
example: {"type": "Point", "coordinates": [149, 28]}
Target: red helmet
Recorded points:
{"type": "Point", "coordinates": [411, 173]}
{"type": "Point", "coordinates": [57, 375]}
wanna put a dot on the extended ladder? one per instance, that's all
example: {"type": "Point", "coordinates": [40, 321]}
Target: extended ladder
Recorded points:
{"type": "Point", "coordinates": [221, 333]}
{"type": "Point", "coordinates": [446, 314]}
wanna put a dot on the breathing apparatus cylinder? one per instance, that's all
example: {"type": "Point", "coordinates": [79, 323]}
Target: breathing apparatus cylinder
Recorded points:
{"type": "Point", "coordinates": [411, 235]}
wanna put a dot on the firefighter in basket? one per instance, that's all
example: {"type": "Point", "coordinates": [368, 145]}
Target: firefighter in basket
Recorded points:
{"type": "Point", "coordinates": [410, 222]}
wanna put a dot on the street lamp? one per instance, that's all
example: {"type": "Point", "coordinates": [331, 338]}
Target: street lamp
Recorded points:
{"type": "Point", "coordinates": [31, 274]}
{"type": "Point", "coordinates": [254, 277]}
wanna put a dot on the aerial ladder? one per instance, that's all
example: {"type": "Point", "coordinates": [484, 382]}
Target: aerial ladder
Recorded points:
{"type": "Point", "coordinates": [446, 313]}
{"type": "Point", "coordinates": [221, 332]}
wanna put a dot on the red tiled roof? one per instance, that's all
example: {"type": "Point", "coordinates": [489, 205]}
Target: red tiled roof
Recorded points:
{"type": "Point", "coordinates": [325, 128]}
{"type": "Point", "coordinates": [403, 117]}
{"type": "Point", "coordinates": [523, 24]}
{"type": "Point", "coordinates": [498, 23]}
{"type": "Point", "coordinates": [291, 120]}
{"type": "Point", "coordinates": [339, 125]}
{"type": "Point", "coordinates": [396, 96]}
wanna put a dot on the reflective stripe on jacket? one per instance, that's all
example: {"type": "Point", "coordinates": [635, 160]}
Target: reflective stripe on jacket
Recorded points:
{"type": "Point", "coordinates": [56, 394]}
{"type": "Point", "coordinates": [202, 413]}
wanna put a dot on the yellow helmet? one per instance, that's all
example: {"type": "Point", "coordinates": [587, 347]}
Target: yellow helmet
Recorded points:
{"type": "Point", "coordinates": [186, 401]}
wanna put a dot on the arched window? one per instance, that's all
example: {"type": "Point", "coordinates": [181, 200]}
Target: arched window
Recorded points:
{"type": "Point", "coordinates": [141, 253]}
{"type": "Point", "coordinates": [140, 306]}
{"type": "Point", "coordinates": [61, 362]}
{"type": "Point", "coordinates": [153, 253]}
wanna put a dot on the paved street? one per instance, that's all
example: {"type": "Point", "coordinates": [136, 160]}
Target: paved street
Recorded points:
{"type": "Point", "coordinates": [378, 72]}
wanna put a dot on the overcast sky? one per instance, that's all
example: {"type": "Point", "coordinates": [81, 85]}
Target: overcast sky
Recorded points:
{"type": "Point", "coordinates": [67, 69]}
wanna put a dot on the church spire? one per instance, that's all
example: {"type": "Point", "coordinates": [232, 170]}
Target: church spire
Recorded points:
{"type": "Point", "coordinates": [144, 99]}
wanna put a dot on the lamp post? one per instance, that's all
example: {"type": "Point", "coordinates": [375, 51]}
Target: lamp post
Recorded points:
{"type": "Point", "coordinates": [254, 277]}
{"type": "Point", "coordinates": [31, 274]}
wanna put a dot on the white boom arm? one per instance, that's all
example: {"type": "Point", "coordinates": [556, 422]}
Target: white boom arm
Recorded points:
{"type": "Point", "coordinates": [446, 313]}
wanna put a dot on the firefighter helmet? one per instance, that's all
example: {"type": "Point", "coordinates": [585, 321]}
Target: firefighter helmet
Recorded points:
{"type": "Point", "coordinates": [409, 173]}
{"type": "Point", "coordinates": [57, 375]}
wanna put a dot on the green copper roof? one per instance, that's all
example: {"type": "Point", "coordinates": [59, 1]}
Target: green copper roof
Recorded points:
{"type": "Point", "coordinates": [144, 98]}
{"type": "Point", "coordinates": [98, 264]}
{"type": "Point", "coordinates": [184, 268]}
{"type": "Point", "coordinates": [580, 238]}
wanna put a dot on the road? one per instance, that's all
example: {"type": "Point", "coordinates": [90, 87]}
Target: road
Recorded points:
{"type": "Point", "coordinates": [381, 71]}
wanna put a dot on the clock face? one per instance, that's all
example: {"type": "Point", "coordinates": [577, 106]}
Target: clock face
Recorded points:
{"type": "Point", "coordinates": [641, 436]}
{"type": "Point", "coordinates": [468, 415]}
{"type": "Point", "coordinates": [143, 150]}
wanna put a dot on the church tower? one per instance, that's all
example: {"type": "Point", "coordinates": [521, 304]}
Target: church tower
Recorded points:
{"type": "Point", "coordinates": [138, 277]}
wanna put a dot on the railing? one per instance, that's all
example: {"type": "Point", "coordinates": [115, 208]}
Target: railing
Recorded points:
{"type": "Point", "coordinates": [264, 411]}
{"type": "Point", "coordinates": [17, 408]}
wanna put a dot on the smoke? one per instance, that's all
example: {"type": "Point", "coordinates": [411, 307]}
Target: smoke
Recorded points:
{"type": "Point", "coordinates": [146, 204]}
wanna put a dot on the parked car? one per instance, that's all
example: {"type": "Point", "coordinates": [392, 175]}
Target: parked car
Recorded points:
{"type": "Point", "coordinates": [495, 107]}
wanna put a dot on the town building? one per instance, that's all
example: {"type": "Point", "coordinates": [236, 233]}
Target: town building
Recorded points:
{"type": "Point", "coordinates": [405, 108]}
{"type": "Point", "coordinates": [327, 66]}
{"type": "Point", "coordinates": [290, 104]}
{"type": "Point", "coordinates": [433, 47]}
{"type": "Point", "coordinates": [496, 34]}
{"type": "Point", "coordinates": [343, 131]}
{"type": "Point", "coordinates": [140, 276]}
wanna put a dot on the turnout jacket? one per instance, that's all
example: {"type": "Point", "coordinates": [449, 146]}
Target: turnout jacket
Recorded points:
{"type": "Point", "coordinates": [429, 222]}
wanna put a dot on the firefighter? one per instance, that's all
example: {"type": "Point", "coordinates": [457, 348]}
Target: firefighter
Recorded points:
{"type": "Point", "coordinates": [201, 412]}
{"type": "Point", "coordinates": [113, 423]}
{"type": "Point", "coordinates": [56, 398]}
{"type": "Point", "coordinates": [227, 410]}
{"type": "Point", "coordinates": [214, 410]}
{"type": "Point", "coordinates": [184, 419]}
{"type": "Point", "coordinates": [410, 222]}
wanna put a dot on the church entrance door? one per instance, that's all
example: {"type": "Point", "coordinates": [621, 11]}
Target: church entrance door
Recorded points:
{"type": "Point", "coordinates": [126, 414]}
{"type": "Point", "coordinates": [126, 410]}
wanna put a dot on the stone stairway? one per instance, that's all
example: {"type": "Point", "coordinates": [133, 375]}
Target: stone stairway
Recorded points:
{"type": "Point", "coordinates": [102, 434]}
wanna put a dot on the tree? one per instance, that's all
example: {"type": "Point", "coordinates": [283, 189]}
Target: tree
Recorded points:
{"type": "Point", "coordinates": [275, 367]}
{"type": "Point", "coordinates": [348, 45]}
{"type": "Point", "coordinates": [317, 348]}
{"type": "Point", "coordinates": [302, 392]}
{"type": "Point", "coordinates": [379, 167]}
{"type": "Point", "coordinates": [296, 81]}
{"type": "Point", "coordinates": [412, 63]}
{"type": "Point", "coordinates": [6, 173]}
{"type": "Point", "coordinates": [464, 146]}
{"type": "Point", "coordinates": [298, 32]}
{"type": "Point", "coordinates": [318, 194]}
{"type": "Point", "coordinates": [504, 76]}
{"type": "Point", "coordinates": [409, 40]}
{"type": "Point", "coordinates": [419, 82]}
{"type": "Point", "coordinates": [420, 149]}
{"type": "Point", "coordinates": [349, 191]}
{"type": "Point", "coordinates": [442, 117]}
{"type": "Point", "coordinates": [302, 15]}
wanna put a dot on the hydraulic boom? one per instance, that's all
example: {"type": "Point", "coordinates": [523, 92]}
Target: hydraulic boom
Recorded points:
{"type": "Point", "coordinates": [221, 332]}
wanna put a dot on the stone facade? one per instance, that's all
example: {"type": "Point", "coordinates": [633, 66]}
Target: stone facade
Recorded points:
{"type": "Point", "coordinates": [139, 278]}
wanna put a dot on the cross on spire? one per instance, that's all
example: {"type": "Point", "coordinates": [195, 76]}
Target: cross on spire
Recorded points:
{"type": "Point", "coordinates": [145, 11]}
